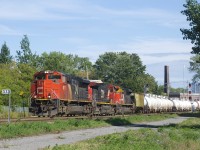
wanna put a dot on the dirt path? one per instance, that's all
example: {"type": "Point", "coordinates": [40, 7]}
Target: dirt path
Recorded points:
{"type": "Point", "coordinates": [38, 142]}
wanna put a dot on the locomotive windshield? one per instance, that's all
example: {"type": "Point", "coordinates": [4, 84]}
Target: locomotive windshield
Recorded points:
{"type": "Point", "coordinates": [40, 76]}
{"type": "Point", "coordinates": [53, 77]}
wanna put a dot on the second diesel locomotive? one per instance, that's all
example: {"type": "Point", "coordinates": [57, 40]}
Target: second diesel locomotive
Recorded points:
{"type": "Point", "coordinates": [56, 93]}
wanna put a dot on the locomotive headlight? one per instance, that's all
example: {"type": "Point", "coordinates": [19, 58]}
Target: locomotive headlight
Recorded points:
{"type": "Point", "coordinates": [35, 96]}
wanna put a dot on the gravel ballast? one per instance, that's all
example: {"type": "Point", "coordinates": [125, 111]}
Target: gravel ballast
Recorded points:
{"type": "Point", "coordinates": [68, 137]}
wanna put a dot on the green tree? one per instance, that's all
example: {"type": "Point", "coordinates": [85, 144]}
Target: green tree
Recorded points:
{"type": "Point", "coordinates": [25, 55]}
{"type": "Point", "coordinates": [5, 56]}
{"type": "Point", "coordinates": [25, 76]}
{"type": "Point", "coordinates": [195, 67]}
{"type": "Point", "coordinates": [17, 78]}
{"type": "Point", "coordinates": [9, 80]}
{"type": "Point", "coordinates": [160, 90]}
{"type": "Point", "coordinates": [122, 69]}
{"type": "Point", "coordinates": [192, 12]}
{"type": "Point", "coordinates": [84, 67]}
{"type": "Point", "coordinates": [64, 63]}
{"type": "Point", "coordinates": [150, 80]}
{"type": "Point", "coordinates": [178, 90]}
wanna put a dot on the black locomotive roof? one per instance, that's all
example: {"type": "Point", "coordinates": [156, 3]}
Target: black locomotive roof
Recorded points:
{"type": "Point", "coordinates": [70, 77]}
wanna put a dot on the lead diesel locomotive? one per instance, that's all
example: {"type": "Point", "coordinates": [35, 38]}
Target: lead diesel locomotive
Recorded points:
{"type": "Point", "coordinates": [56, 93]}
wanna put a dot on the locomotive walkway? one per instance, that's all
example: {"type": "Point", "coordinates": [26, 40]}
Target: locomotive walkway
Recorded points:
{"type": "Point", "coordinates": [39, 142]}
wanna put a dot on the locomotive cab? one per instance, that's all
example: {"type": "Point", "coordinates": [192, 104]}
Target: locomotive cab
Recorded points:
{"type": "Point", "coordinates": [46, 90]}
{"type": "Point", "coordinates": [46, 85]}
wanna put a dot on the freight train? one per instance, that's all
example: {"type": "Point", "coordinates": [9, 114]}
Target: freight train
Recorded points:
{"type": "Point", "coordinates": [55, 93]}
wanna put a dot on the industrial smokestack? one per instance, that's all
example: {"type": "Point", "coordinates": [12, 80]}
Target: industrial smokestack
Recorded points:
{"type": "Point", "coordinates": [166, 79]}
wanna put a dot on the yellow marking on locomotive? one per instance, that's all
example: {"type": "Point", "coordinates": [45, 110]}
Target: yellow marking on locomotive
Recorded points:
{"type": "Point", "coordinates": [103, 103]}
{"type": "Point", "coordinates": [120, 90]}
{"type": "Point", "coordinates": [79, 101]}
{"type": "Point", "coordinates": [139, 99]}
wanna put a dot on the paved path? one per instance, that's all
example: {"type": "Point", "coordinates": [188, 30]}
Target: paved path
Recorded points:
{"type": "Point", "coordinates": [37, 142]}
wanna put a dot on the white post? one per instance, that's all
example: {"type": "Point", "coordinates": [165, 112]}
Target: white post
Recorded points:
{"type": "Point", "coordinates": [9, 107]}
{"type": "Point", "coordinates": [8, 92]}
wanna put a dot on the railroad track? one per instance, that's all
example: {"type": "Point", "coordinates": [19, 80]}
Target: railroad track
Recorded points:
{"type": "Point", "coordinates": [35, 118]}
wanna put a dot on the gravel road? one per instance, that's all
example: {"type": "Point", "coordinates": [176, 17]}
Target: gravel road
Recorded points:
{"type": "Point", "coordinates": [68, 137]}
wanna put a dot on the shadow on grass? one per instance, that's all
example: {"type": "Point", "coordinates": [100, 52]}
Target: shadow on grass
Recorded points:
{"type": "Point", "coordinates": [165, 126]}
{"type": "Point", "coordinates": [126, 123]}
{"type": "Point", "coordinates": [196, 114]}
{"type": "Point", "coordinates": [192, 126]}
{"type": "Point", "coordinates": [118, 121]}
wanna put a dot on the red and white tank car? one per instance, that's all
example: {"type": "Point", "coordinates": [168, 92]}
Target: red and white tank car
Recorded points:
{"type": "Point", "coordinates": [56, 93]}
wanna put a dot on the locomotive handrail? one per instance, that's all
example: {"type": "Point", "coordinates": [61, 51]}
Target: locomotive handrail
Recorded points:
{"type": "Point", "coordinates": [29, 98]}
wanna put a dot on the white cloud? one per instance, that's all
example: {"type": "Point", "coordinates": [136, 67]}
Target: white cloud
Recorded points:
{"type": "Point", "coordinates": [148, 50]}
{"type": "Point", "coordinates": [173, 57]}
{"type": "Point", "coordinates": [33, 10]}
{"type": "Point", "coordinates": [5, 30]}
{"type": "Point", "coordinates": [78, 10]}
{"type": "Point", "coordinates": [157, 45]}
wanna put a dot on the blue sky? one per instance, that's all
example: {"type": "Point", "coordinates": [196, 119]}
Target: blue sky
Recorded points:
{"type": "Point", "coordinates": [92, 27]}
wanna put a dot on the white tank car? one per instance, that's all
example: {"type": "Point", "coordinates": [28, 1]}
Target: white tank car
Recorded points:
{"type": "Point", "coordinates": [176, 105]}
{"type": "Point", "coordinates": [155, 103]}
{"type": "Point", "coordinates": [195, 105]}
{"type": "Point", "coordinates": [198, 102]}
{"type": "Point", "coordinates": [181, 105]}
{"type": "Point", "coordinates": [188, 105]}
{"type": "Point", "coordinates": [149, 103]}
{"type": "Point", "coordinates": [167, 104]}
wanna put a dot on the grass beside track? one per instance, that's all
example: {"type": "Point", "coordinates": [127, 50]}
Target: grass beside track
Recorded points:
{"type": "Point", "coordinates": [183, 136]}
{"type": "Point", "coordinates": [22, 129]}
